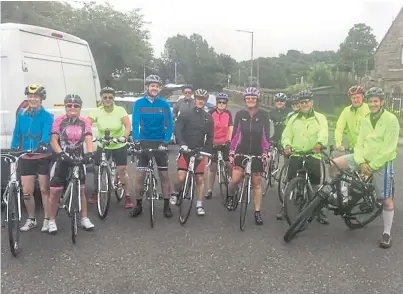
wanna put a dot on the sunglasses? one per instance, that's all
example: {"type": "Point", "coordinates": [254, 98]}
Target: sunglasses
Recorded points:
{"type": "Point", "coordinates": [280, 101]}
{"type": "Point", "coordinates": [251, 98]}
{"type": "Point", "coordinates": [107, 97]}
{"type": "Point", "coordinates": [221, 102]}
{"type": "Point", "coordinates": [73, 105]}
{"type": "Point", "coordinates": [304, 101]}
{"type": "Point", "coordinates": [187, 92]}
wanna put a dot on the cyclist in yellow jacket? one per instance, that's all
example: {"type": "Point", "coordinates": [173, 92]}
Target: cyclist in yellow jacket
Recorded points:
{"type": "Point", "coordinates": [375, 153]}
{"type": "Point", "coordinates": [350, 118]}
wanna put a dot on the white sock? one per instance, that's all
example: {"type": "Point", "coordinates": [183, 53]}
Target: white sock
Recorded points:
{"type": "Point", "coordinates": [387, 216]}
{"type": "Point", "coordinates": [199, 203]}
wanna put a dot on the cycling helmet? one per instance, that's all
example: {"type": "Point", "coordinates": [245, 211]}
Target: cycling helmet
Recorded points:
{"type": "Point", "coordinates": [107, 90]}
{"type": "Point", "coordinates": [294, 99]}
{"type": "Point", "coordinates": [73, 98]}
{"type": "Point", "coordinates": [153, 79]}
{"type": "Point", "coordinates": [280, 97]}
{"type": "Point", "coordinates": [201, 93]}
{"type": "Point", "coordinates": [36, 89]}
{"type": "Point", "coordinates": [375, 92]}
{"type": "Point", "coordinates": [251, 91]}
{"type": "Point", "coordinates": [222, 96]}
{"type": "Point", "coordinates": [187, 86]}
{"type": "Point", "coordinates": [304, 94]}
{"type": "Point", "coordinates": [356, 89]}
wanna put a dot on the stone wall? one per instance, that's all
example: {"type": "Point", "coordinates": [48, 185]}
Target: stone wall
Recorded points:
{"type": "Point", "coordinates": [388, 58]}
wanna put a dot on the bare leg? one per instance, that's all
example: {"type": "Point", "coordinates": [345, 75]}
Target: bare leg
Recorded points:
{"type": "Point", "coordinates": [28, 185]}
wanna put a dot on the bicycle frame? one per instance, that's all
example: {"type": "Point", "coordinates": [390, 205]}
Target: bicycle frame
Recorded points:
{"type": "Point", "coordinates": [75, 176]}
{"type": "Point", "coordinates": [13, 180]}
{"type": "Point", "coordinates": [247, 175]}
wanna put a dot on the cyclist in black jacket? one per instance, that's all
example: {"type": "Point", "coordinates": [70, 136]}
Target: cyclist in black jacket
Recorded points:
{"type": "Point", "coordinates": [194, 130]}
{"type": "Point", "coordinates": [278, 115]}
{"type": "Point", "coordinates": [250, 137]}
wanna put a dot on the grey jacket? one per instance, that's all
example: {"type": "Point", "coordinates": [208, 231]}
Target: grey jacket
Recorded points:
{"type": "Point", "coordinates": [183, 105]}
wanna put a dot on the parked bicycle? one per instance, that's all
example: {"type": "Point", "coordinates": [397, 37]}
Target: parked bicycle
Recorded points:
{"type": "Point", "coordinates": [361, 201]}
{"type": "Point", "coordinates": [222, 170]}
{"type": "Point", "coordinates": [188, 191]}
{"type": "Point", "coordinates": [271, 171]}
{"type": "Point", "coordinates": [150, 181]}
{"type": "Point", "coordinates": [108, 180]}
{"type": "Point", "coordinates": [12, 198]}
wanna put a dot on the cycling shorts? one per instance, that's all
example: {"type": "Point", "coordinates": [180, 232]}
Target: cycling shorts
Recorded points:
{"type": "Point", "coordinates": [382, 179]}
{"type": "Point", "coordinates": [161, 158]}
{"type": "Point", "coordinates": [60, 174]}
{"type": "Point", "coordinates": [199, 167]}
{"type": "Point", "coordinates": [312, 164]}
{"type": "Point", "coordinates": [33, 167]}
{"type": "Point", "coordinates": [257, 164]}
{"type": "Point", "coordinates": [119, 155]}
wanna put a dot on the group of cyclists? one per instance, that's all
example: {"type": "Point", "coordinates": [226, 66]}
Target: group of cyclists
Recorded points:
{"type": "Point", "coordinates": [372, 133]}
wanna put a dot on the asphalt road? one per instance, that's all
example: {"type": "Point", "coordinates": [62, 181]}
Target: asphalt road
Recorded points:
{"type": "Point", "coordinates": [207, 255]}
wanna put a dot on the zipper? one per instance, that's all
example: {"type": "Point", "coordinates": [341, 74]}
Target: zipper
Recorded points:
{"type": "Point", "coordinates": [250, 135]}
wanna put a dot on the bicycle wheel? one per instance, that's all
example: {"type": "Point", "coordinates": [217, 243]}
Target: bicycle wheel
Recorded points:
{"type": "Point", "coordinates": [13, 219]}
{"type": "Point", "coordinates": [369, 209]}
{"type": "Point", "coordinates": [244, 203]}
{"type": "Point", "coordinates": [274, 168]}
{"type": "Point", "coordinates": [119, 189]}
{"type": "Point", "coordinates": [104, 192]}
{"type": "Point", "coordinates": [296, 196]}
{"type": "Point", "coordinates": [186, 196]}
{"type": "Point", "coordinates": [74, 209]}
{"type": "Point", "coordinates": [223, 182]}
{"type": "Point", "coordinates": [303, 218]}
{"type": "Point", "coordinates": [282, 183]}
{"type": "Point", "coordinates": [150, 196]}
{"type": "Point", "coordinates": [323, 172]}
{"type": "Point", "coordinates": [266, 179]}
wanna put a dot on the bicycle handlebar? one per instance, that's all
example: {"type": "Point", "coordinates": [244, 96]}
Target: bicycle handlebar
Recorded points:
{"type": "Point", "coordinates": [194, 152]}
{"type": "Point", "coordinates": [105, 140]}
{"type": "Point", "coordinates": [12, 155]}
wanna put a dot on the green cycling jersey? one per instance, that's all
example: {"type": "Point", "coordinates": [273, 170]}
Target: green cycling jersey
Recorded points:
{"type": "Point", "coordinates": [349, 121]}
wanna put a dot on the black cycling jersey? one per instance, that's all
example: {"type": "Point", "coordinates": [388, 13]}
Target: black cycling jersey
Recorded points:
{"type": "Point", "coordinates": [278, 116]}
{"type": "Point", "coordinates": [194, 129]}
{"type": "Point", "coordinates": [251, 133]}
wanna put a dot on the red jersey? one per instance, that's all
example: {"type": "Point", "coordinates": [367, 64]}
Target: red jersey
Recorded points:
{"type": "Point", "coordinates": [222, 121]}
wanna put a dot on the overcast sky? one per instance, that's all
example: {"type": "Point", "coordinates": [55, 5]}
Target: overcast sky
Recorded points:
{"type": "Point", "coordinates": [278, 25]}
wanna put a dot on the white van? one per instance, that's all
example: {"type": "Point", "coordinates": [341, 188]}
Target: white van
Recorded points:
{"type": "Point", "coordinates": [61, 62]}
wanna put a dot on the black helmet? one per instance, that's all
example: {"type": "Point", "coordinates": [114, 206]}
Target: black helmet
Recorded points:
{"type": "Point", "coordinates": [375, 92]}
{"type": "Point", "coordinates": [304, 94]}
{"type": "Point", "coordinates": [188, 86]}
{"type": "Point", "coordinates": [107, 90]}
{"type": "Point", "coordinates": [73, 98]}
{"type": "Point", "coordinates": [36, 89]}
{"type": "Point", "coordinates": [294, 99]}
{"type": "Point", "coordinates": [153, 79]}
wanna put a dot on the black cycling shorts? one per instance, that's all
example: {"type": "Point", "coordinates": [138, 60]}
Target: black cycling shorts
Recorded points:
{"type": "Point", "coordinates": [257, 164]}
{"type": "Point", "coordinates": [33, 167]}
{"type": "Point", "coordinates": [225, 153]}
{"type": "Point", "coordinates": [313, 165]}
{"type": "Point", "coordinates": [161, 158]}
{"type": "Point", "coordinates": [119, 156]}
{"type": "Point", "coordinates": [60, 174]}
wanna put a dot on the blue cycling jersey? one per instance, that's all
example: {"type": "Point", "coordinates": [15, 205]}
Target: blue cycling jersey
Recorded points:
{"type": "Point", "coordinates": [31, 128]}
{"type": "Point", "coordinates": [152, 120]}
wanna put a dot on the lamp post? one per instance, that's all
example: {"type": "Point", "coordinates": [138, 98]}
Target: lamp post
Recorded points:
{"type": "Point", "coordinates": [251, 58]}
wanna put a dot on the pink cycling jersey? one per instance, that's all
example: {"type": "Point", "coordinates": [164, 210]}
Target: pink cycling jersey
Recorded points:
{"type": "Point", "coordinates": [222, 121]}
{"type": "Point", "coordinates": [71, 131]}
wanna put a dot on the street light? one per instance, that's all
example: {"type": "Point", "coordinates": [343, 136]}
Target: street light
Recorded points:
{"type": "Point", "coordinates": [251, 59]}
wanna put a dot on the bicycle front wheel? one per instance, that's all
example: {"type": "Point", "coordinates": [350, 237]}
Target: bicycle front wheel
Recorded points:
{"type": "Point", "coordinates": [119, 189]}
{"type": "Point", "coordinates": [74, 209]}
{"type": "Point", "coordinates": [13, 217]}
{"type": "Point", "coordinates": [223, 181]}
{"type": "Point", "coordinates": [150, 196]}
{"type": "Point", "coordinates": [266, 179]}
{"type": "Point", "coordinates": [296, 196]}
{"type": "Point", "coordinates": [186, 196]}
{"type": "Point", "coordinates": [303, 218]}
{"type": "Point", "coordinates": [282, 183]}
{"type": "Point", "coordinates": [104, 192]}
{"type": "Point", "coordinates": [244, 203]}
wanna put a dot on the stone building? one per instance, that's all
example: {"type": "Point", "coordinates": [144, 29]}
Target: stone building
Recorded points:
{"type": "Point", "coordinates": [389, 57]}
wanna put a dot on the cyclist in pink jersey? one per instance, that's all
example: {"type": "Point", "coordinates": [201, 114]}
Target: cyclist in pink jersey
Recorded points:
{"type": "Point", "coordinates": [69, 133]}
{"type": "Point", "coordinates": [222, 134]}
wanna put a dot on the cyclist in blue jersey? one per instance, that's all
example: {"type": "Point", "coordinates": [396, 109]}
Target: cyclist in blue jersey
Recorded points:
{"type": "Point", "coordinates": [32, 132]}
{"type": "Point", "coordinates": [152, 126]}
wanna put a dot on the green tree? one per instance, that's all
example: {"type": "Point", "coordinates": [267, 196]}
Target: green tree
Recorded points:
{"type": "Point", "coordinates": [357, 50]}
{"type": "Point", "coordinates": [320, 75]}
